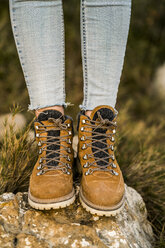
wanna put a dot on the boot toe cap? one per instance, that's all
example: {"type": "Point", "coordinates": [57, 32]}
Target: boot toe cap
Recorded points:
{"type": "Point", "coordinates": [103, 193]}
{"type": "Point", "coordinates": [50, 188]}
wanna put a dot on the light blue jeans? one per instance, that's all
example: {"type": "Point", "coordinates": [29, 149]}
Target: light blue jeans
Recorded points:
{"type": "Point", "coordinates": [38, 30]}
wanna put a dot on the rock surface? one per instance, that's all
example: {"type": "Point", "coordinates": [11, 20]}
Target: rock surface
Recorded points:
{"type": "Point", "coordinates": [21, 226]}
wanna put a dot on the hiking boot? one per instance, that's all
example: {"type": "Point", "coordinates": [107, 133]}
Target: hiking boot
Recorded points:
{"type": "Point", "coordinates": [102, 185]}
{"type": "Point", "coordinates": [51, 182]}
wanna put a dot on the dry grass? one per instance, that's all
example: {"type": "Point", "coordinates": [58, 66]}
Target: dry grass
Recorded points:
{"type": "Point", "coordinates": [140, 153]}
{"type": "Point", "coordinates": [17, 157]}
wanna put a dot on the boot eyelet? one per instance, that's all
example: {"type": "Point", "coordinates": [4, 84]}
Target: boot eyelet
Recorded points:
{"type": "Point", "coordinates": [83, 147]}
{"type": "Point", "coordinates": [86, 165]}
{"type": "Point", "coordinates": [115, 173]}
{"type": "Point", "coordinates": [41, 172]}
{"type": "Point", "coordinates": [112, 148]}
{"type": "Point", "coordinates": [113, 165]}
{"type": "Point", "coordinates": [40, 151]}
{"type": "Point", "coordinates": [112, 139]}
{"type": "Point", "coordinates": [68, 125]}
{"type": "Point", "coordinates": [83, 121]}
{"type": "Point", "coordinates": [69, 141]}
{"type": "Point", "coordinates": [65, 171]}
{"type": "Point", "coordinates": [39, 143]}
{"type": "Point", "coordinates": [68, 158]}
{"type": "Point", "coordinates": [89, 172]}
{"type": "Point", "coordinates": [114, 131]}
{"type": "Point", "coordinates": [69, 150]}
{"type": "Point", "coordinates": [37, 135]}
{"type": "Point", "coordinates": [40, 160]}
{"type": "Point", "coordinates": [68, 166]}
{"type": "Point", "coordinates": [37, 127]}
{"type": "Point", "coordinates": [69, 132]}
{"type": "Point", "coordinates": [85, 157]}
{"type": "Point", "coordinates": [82, 129]}
{"type": "Point", "coordinates": [113, 158]}
{"type": "Point", "coordinates": [82, 138]}
{"type": "Point", "coordinates": [39, 167]}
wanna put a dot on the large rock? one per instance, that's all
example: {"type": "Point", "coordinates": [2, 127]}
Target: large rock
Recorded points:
{"type": "Point", "coordinates": [21, 226]}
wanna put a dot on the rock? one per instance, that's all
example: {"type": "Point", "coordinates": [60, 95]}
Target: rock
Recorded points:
{"type": "Point", "coordinates": [18, 122]}
{"type": "Point", "coordinates": [21, 226]}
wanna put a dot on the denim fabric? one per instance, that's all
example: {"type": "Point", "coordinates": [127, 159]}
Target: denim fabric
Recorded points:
{"type": "Point", "coordinates": [104, 31]}
{"type": "Point", "coordinates": [38, 30]}
{"type": "Point", "coordinates": [39, 35]}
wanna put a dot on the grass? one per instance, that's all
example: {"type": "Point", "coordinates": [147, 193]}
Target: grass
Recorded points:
{"type": "Point", "coordinates": [140, 153]}
{"type": "Point", "coordinates": [17, 157]}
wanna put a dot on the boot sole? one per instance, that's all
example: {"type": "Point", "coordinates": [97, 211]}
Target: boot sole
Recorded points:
{"type": "Point", "coordinates": [95, 210]}
{"type": "Point", "coordinates": [41, 205]}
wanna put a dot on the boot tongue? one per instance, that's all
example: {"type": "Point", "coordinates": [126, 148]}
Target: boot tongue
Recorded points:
{"type": "Point", "coordinates": [106, 112]}
{"type": "Point", "coordinates": [46, 114]}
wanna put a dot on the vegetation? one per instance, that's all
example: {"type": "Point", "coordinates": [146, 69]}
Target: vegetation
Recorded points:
{"type": "Point", "coordinates": [17, 157]}
{"type": "Point", "coordinates": [141, 106]}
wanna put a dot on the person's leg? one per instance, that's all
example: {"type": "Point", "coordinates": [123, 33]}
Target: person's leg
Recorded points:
{"type": "Point", "coordinates": [39, 35]}
{"type": "Point", "coordinates": [38, 30]}
{"type": "Point", "coordinates": [104, 31]}
{"type": "Point", "coordinates": [104, 26]}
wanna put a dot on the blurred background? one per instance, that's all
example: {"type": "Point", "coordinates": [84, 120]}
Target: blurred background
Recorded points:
{"type": "Point", "coordinates": [141, 99]}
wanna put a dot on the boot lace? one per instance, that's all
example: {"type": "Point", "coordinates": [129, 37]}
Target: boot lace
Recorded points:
{"type": "Point", "coordinates": [94, 125]}
{"type": "Point", "coordinates": [45, 162]}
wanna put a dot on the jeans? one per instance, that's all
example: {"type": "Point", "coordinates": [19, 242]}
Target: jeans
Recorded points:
{"type": "Point", "coordinates": [38, 29]}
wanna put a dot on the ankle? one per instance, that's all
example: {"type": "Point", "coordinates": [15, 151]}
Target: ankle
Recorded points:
{"type": "Point", "coordinates": [56, 107]}
{"type": "Point", "coordinates": [88, 112]}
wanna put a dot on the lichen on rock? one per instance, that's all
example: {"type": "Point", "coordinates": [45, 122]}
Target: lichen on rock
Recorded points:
{"type": "Point", "coordinates": [22, 226]}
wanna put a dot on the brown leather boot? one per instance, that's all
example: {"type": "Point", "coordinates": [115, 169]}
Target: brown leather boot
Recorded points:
{"type": "Point", "coordinates": [51, 182]}
{"type": "Point", "coordinates": [102, 185]}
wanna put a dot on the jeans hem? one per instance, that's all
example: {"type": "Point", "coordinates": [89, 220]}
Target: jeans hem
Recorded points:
{"type": "Point", "coordinates": [63, 104]}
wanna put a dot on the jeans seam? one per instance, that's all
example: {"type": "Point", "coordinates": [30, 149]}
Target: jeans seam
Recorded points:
{"type": "Point", "coordinates": [63, 52]}
{"type": "Point", "coordinates": [84, 52]}
{"type": "Point", "coordinates": [21, 56]}
{"type": "Point", "coordinates": [107, 3]}
{"type": "Point", "coordinates": [17, 41]}
{"type": "Point", "coordinates": [14, 29]}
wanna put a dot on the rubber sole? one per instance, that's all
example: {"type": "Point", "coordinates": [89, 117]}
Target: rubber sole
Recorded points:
{"type": "Point", "coordinates": [99, 212]}
{"type": "Point", "coordinates": [51, 205]}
